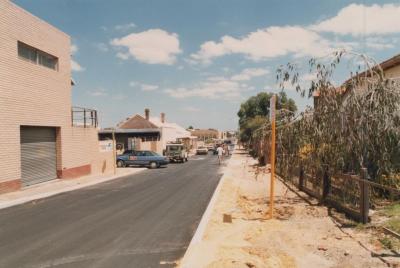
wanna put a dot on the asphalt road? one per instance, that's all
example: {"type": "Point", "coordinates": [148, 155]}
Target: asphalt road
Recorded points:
{"type": "Point", "coordinates": [142, 220]}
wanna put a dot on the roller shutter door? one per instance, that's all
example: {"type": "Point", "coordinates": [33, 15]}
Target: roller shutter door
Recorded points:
{"type": "Point", "coordinates": [38, 155]}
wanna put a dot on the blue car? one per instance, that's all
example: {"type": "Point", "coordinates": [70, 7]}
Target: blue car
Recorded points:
{"type": "Point", "coordinates": [141, 158]}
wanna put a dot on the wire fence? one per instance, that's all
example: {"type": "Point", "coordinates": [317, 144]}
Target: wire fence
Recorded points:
{"type": "Point", "coordinates": [353, 194]}
{"type": "Point", "coordinates": [319, 168]}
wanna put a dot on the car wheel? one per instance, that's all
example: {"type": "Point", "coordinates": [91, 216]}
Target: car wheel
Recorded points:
{"type": "Point", "coordinates": [153, 165]}
{"type": "Point", "coordinates": [120, 164]}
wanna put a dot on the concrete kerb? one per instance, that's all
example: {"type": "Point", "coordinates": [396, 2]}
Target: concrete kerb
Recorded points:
{"type": "Point", "coordinates": [198, 235]}
{"type": "Point", "coordinates": [63, 188]}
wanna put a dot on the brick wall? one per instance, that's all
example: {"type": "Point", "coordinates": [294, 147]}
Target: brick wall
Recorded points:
{"type": "Point", "coordinates": [393, 72]}
{"type": "Point", "coordinates": [155, 146]}
{"type": "Point", "coordinates": [35, 95]}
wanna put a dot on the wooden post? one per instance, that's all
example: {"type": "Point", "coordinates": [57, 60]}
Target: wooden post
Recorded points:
{"type": "Point", "coordinates": [301, 178]}
{"type": "Point", "coordinates": [364, 196]}
{"type": "Point", "coordinates": [114, 152]}
{"type": "Point", "coordinates": [272, 108]}
{"type": "Point", "coordinates": [84, 117]}
{"type": "Point", "coordinates": [326, 184]}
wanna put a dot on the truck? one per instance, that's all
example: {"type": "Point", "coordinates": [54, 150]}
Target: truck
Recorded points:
{"type": "Point", "coordinates": [176, 152]}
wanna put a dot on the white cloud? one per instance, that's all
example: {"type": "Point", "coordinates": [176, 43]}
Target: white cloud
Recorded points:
{"type": "Point", "coordinates": [190, 109]}
{"type": "Point", "coordinates": [133, 84]}
{"type": "Point", "coordinates": [267, 43]}
{"type": "Point", "coordinates": [154, 46]}
{"type": "Point", "coordinates": [118, 96]}
{"type": "Point", "coordinates": [146, 87]}
{"type": "Point", "coordinates": [249, 73]}
{"type": "Point", "coordinates": [380, 46]}
{"type": "Point", "coordinates": [74, 48]}
{"type": "Point", "coordinates": [308, 77]}
{"type": "Point", "coordinates": [358, 19]}
{"type": "Point", "coordinates": [245, 75]}
{"type": "Point", "coordinates": [123, 56]}
{"type": "Point", "coordinates": [216, 78]}
{"type": "Point", "coordinates": [125, 27]}
{"type": "Point", "coordinates": [304, 82]}
{"type": "Point", "coordinates": [219, 87]}
{"type": "Point", "coordinates": [100, 92]}
{"type": "Point", "coordinates": [143, 87]}
{"type": "Point", "coordinates": [380, 43]}
{"type": "Point", "coordinates": [76, 67]}
{"type": "Point", "coordinates": [102, 47]}
{"type": "Point", "coordinates": [299, 41]}
{"type": "Point", "coordinates": [225, 89]}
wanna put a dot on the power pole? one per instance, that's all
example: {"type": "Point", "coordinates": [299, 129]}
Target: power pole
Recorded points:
{"type": "Point", "coordinates": [114, 152]}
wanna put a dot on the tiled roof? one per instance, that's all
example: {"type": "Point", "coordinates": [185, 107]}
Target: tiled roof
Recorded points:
{"type": "Point", "coordinates": [137, 122]}
{"type": "Point", "coordinates": [204, 132]}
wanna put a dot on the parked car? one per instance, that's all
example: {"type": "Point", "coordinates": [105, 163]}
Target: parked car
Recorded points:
{"type": "Point", "coordinates": [141, 158]}
{"type": "Point", "coordinates": [202, 150]}
{"type": "Point", "coordinates": [176, 152]}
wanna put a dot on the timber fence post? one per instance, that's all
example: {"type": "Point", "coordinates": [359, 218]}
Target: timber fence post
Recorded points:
{"type": "Point", "coordinates": [326, 183]}
{"type": "Point", "coordinates": [364, 196]}
{"type": "Point", "coordinates": [301, 178]}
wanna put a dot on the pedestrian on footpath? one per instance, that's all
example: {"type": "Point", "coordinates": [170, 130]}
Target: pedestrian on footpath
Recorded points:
{"type": "Point", "coordinates": [229, 148]}
{"type": "Point", "coordinates": [220, 152]}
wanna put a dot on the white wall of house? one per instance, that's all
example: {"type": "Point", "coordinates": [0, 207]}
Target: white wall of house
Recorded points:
{"type": "Point", "coordinates": [170, 132]}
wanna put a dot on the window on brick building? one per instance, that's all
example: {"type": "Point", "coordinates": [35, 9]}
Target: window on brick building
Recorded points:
{"type": "Point", "coordinates": [37, 56]}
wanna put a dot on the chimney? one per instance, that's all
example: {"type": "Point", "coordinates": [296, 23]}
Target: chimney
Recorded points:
{"type": "Point", "coordinates": [147, 113]}
{"type": "Point", "coordinates": [162, 118]}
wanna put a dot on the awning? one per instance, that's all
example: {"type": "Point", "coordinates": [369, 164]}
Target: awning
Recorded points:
{"type": "Point", "coordinates": [123, 130]}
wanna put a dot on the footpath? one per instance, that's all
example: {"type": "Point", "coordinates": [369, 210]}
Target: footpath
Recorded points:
{"type": "Point", "coordinates": [235, 230]}
{"type": "Point", "coordinates": [58, 186]}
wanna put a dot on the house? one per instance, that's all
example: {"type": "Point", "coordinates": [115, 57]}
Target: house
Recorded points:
{"type": "Point", "coordinates": [206, 134]}
{"type": "Point", "coordinates": [42, 136]}
{"type": "Point", "coordinates": [172, 132]}
{"type": "Point", "coordinates": [390, 69]}
{"type": "Point", "coordinates": [135, 133]}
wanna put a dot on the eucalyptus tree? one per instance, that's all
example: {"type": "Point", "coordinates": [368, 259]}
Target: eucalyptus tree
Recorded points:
{"type": "Point", "coordinates": [352, 126]}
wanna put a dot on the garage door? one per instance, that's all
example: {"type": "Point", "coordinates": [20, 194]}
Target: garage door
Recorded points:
{"type": "Point", "coordinates": [38, 155]}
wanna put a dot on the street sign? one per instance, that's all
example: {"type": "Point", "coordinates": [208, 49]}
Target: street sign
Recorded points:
{"type": "Point", "coordinates": [272, 107]}
{"type": "Point", "coordinates": [106, 146]}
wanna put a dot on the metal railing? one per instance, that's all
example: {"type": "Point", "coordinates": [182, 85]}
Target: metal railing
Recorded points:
{"type": "Point", "coordinates": [84, 117]}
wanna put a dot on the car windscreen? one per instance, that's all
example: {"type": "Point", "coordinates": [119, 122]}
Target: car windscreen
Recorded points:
{"type": "Point", "coordinates": [148, 153]}
{"type": "Point", "coordinates": [130, 152]}
{"type": "Point", "coordinates": [174, 148]}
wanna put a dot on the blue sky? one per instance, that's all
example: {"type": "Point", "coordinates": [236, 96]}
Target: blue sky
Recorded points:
{"type": "Point", "coordinates": [198, 60]}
